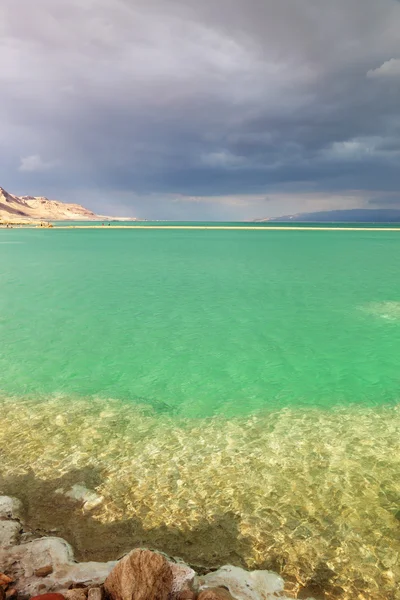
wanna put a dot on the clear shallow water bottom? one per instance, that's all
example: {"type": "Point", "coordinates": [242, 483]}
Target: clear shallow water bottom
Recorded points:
{"type": "Point", "coordinates": [312, 493]}
{"type": "Point", "coordinates": [244, 380]}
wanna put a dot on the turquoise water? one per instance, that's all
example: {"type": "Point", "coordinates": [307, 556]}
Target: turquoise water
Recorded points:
{"type": "Point", "coordinates": [202, 322]}
{"type": "Point", "coordinates": [268, 360]}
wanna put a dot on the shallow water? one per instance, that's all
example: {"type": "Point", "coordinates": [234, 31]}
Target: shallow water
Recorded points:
{"type": "Point", "coordinates": [212, 373]}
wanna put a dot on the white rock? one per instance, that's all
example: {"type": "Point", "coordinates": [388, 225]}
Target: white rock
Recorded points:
{"type": "Point", "coordinates": [245, 585]}
{"type": "Point", "coordinates": [23, 560]}
{"type": "Point", "coordinates": [10, 508]}
{"type": "Point", "coordinates": [9, 533]}
{"type": "Point", "coordinates": [95, 593]}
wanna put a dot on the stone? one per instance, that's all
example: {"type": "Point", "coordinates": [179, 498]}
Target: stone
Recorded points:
{"type": "Point", "coordinates": [5, 579]}
{"type": "Point", "coordinates": [185, 595]}
{"type": "Point", "coordinates": [9, 533]}
{"type": "Point", "coordinates": [22, 561]}
{"type": "Point", "coordinates": [141, 575]}
{"type": "Point", "coordinates": [76, 594]}
{"type": "Point", "coordinates": [10, 508]}
{"type": "Point", "coordinates": [95, 593]}
{"type": "Point", "coordinates": [2, 594]}
{"type": "Point", "coordinates": [244, 585]}
{"type": "Point", "coordinates": [11, 594]}
{"type": "Point", "coordinates": [182, 578]}
{"type": "Point", "coordinates": [43, 571]}
{"type": "Point", "coordinates": [217, 593]}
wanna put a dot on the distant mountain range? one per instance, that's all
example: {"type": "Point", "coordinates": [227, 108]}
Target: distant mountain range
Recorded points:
{"type": "Point", "coordinates": [30, 209]}
{"type": "Point", "coordinates": [352, 215]}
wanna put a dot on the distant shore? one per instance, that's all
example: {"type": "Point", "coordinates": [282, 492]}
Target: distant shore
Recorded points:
{"type": "Point", "coordinates": [233, 227]}
{"type": "Point", "coordinates": [255, 227]}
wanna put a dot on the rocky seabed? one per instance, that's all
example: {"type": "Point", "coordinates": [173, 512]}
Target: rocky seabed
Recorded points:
{"type": "Point", "coordinates": [32, 567]}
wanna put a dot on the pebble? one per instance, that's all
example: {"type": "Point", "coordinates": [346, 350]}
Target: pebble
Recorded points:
{"type": "Point", "coordinates": [95, 593]}
{"type": "Point", "coordinates": [44, 571]}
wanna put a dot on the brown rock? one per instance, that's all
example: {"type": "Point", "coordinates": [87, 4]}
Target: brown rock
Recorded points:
{"type": "Point", "coordinates": [5, 579]}
{"type": "Point", "coordinates": [11, 594]}
{"type": "Point", "coordinates": [216, 593]}
{"type": "Point", "coordinates": [141, 575]}
{"type": "Point", "coordinates": [186, 595]}
{"type": "Point", "coordinates": [49, 596]}
{"type": "Point", "coordinates": [2, 594]}
{"type": "Point", "coordinates": [44, 571]}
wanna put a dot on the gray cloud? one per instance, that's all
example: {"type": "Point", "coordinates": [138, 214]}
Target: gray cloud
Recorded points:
{"type": "Point", "coordinates": [137, 104]}
{"type": "Point", "coordinates": [385, 201]}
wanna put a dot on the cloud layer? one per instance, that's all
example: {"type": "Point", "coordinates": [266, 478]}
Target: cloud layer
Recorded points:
{"type": "Point", "coordinates": [139, 107]}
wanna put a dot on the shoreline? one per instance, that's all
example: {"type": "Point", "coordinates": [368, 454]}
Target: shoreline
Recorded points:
{"type": "Point", "coordinates": [206, 227]}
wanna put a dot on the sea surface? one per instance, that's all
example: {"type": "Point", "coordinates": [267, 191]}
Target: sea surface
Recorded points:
{"type": "Point", "coordinates": [235, 392]}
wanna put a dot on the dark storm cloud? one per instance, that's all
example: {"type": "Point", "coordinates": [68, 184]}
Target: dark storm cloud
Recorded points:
{"type": "Point", "coordinates": [131, 105]}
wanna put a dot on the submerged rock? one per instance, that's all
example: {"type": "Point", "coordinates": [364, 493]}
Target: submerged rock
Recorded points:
{"type": "Point", "coordinates": [243, 585]}
{"type": "Point", "coordinates": [10, 508]}
{"type": "Point", "coordinates": [9, 532]}
{"type": "Point", "coordinates": [89, 498]}
{"type": "Point", "coordinates": [141, 575]}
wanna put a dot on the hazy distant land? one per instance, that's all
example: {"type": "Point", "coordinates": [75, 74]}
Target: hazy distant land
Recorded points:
{"type": "Point", "coordinates": [352, 215]}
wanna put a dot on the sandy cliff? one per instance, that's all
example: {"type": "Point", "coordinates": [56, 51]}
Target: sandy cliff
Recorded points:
{"type": "Point", "coordinates": [20, 209]}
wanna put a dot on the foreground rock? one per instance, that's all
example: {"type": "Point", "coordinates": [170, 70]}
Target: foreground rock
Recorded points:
{"type": "Point", "coordinates": [24, 561]}
{"type": "Point", "coordinates": [142, 575]}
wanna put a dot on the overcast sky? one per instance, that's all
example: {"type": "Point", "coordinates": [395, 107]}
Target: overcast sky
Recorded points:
{"type": "Point", "coordinates": [201, 109]}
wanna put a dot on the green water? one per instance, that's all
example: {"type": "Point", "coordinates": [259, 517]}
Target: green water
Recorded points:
{"type": "Point", "coordinates": [264, 361]}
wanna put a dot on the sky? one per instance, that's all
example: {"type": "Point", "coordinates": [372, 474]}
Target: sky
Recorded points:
{"type": "Point", "coordinates": [211, 109]}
